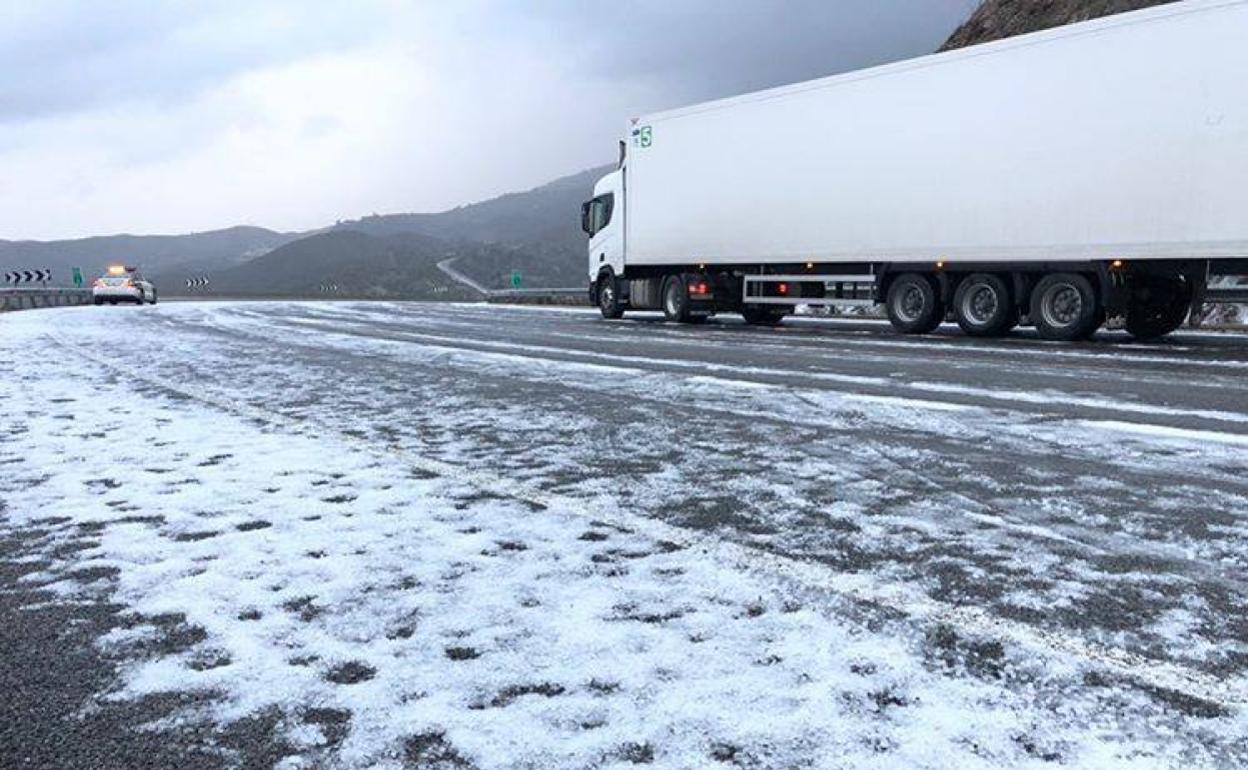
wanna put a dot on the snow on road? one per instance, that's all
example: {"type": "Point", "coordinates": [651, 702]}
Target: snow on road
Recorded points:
{"type": "Point", "coordinates": [350, 539]}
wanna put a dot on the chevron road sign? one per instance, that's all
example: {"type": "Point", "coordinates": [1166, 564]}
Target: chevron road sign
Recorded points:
{"type": "Point", "coordinates": [16, 277]}
{"type": "Point", "coordinates": [196, 283]}
{"type": "Point", "coordinates": [329, 288]}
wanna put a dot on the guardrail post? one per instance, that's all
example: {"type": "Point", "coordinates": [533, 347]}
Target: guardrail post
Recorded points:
{"type": "Point", "coordinates": [12, 299]}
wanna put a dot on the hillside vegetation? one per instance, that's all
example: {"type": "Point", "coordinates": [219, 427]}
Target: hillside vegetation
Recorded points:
{"type": "Point", "coordinates": [346, 263]}
{"type": "Point", "coordinates": [536, 233]}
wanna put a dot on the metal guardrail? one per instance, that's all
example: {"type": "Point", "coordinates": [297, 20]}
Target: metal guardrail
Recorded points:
{"type": "Point", "coordinates": [555, 296]}
{"type": "Point", "coordinates": [558, 292]}
{"type": "Point", "coordinates": [34, 298]}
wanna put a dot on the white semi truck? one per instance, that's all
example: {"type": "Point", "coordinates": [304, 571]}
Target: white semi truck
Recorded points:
{"type": "Point", "coordinates": [1065, 178]}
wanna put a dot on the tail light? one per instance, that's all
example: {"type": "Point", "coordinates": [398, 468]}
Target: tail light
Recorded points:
{"type": "Point", "coordinates": [783, 288]}
{"type": "Point", "coordinates": [699, 289]}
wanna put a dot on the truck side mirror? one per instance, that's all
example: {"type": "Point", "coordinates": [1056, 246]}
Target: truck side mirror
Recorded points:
{"type": "Point", "coordinates": [586, 224]}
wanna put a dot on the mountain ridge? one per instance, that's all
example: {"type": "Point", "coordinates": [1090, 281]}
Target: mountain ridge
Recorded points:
{"type": "Point", "coordinates": [534, 232]}
{"type": "Point", "coordinates": [155, 254]}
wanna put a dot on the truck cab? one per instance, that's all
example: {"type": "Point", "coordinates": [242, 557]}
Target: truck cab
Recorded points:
{"type": "Point", "coordinates": [602, 219]}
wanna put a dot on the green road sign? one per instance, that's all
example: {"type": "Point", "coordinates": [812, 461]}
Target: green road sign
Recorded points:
{"type": "Point", "coordinates": [515, 279]}
{"type": "Point", "coordinates": [78, 277]}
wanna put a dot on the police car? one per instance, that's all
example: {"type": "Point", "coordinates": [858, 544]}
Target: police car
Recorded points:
{"type": "Point", "coordinates": [122, 284]}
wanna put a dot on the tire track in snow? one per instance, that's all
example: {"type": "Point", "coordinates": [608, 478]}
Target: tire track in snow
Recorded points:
{"type": "Point", "coordinates": [922, 388]}
{"type": "Point", "coordinates": [991, 514]}
{"type": "Point", "coordinates": [813, 578]}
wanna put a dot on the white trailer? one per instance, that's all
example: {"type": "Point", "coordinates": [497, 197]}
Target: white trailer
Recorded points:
{"type": "Point", "coordinates": [1097, 170]}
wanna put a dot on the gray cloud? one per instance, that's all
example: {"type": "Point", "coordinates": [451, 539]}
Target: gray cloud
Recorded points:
{"type": "Point", "coordinates": [172, 116]}
{"type": "Point", "coordinates": [705, 49]}
{"type": "Point", "coordinates": [64, 57]}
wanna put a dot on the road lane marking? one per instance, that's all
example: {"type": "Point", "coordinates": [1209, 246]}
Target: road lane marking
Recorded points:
{"type": "Point", "coordinates": [1054, 399]}
{"type": "Point", "coordinates": [1167, 432]}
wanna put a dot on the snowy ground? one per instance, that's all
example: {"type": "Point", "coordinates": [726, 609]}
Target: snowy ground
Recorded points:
{"type": "Point", "coordinates": [465, 536]}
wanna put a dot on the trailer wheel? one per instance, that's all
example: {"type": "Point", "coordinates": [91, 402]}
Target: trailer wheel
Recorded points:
{"type": "Point", "coordinates": [609, 297]}
{"type": "Point", "coordinates": [1064, 306]}
{"type": "Point", "coordinates": [763, 316]}
{"type": "Point", "coordinates": [676, 299]}
{"type": "Point", "coordinates": [1160, 308]}
{"type": "Point", "coordinates": [983, 306]}
{"type": "Point", "coordinates": [912, 304]}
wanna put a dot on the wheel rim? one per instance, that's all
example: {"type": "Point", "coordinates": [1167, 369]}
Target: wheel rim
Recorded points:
{"type": "Point", "coordinates": [607, 296]}
{"type": "Point", "coordinates": [911, 304]}
{"type": "Point", "coordinates": [1062, 306]}
{"type": "Point", "coordinates": [980, 304]}
{"type": "Point", "coordinates": [671, 300]}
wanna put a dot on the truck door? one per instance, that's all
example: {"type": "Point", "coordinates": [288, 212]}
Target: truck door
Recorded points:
{"type": "Point", "coordinates": [603, 220]}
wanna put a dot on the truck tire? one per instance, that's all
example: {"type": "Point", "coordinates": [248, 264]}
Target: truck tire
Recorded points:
{"type": "Point", "coordinates": [755, 315]}
{"type": "Point", "coordinates": [913, 305]}
{"type": "Point", "coordinates": [609, 297]}
{"type": "Point", "coordinates": [1162, 308]}
{"type": "Point", "coordinates": [983, 306]}
{"type": "Point", "coordinates": [153, 296]}
{"type": "Point", "coordinates": [675, 299]}
{"type": "Point", "coordinates": [1064, 307]}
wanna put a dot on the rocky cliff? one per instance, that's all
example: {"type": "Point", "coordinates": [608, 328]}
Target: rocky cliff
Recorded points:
{"type": "Point", "coordinates": [997, 19]}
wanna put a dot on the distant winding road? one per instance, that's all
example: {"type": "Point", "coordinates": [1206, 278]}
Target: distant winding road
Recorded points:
{"type": "Point", "coordinates": [445, 267]}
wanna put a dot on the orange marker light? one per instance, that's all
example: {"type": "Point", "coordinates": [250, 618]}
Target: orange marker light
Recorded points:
{"type": "Point", "coordinates": [783, 288]}
{"type": "Point", "coordinates": [1116, 263]}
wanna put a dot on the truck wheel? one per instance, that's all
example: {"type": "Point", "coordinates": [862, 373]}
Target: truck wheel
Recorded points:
{"type": "Point", "coordinates": [1064, 307]}
{"type": "Point", "coordinates": [912, 305]}
{"type": "Point", "coordinates": [983, 307]}
{"type": "Point", "coordinates": [153, 296]}
{"type": "Point", "coordinates": [755, 315]}
{"type": "Point", "coordinates": [676, 299]}
{"type": "Point", "coordinates": [1160, 308]}
{"type": "Point", "coordinates": [609, 297]}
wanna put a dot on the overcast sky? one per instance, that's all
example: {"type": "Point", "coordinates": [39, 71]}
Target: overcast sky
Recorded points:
{"type": "Point", "coordinates": [176, 116]}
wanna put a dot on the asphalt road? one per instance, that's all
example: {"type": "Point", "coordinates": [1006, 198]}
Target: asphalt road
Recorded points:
{"type": "Point", "coordinates": [1084, 501]}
